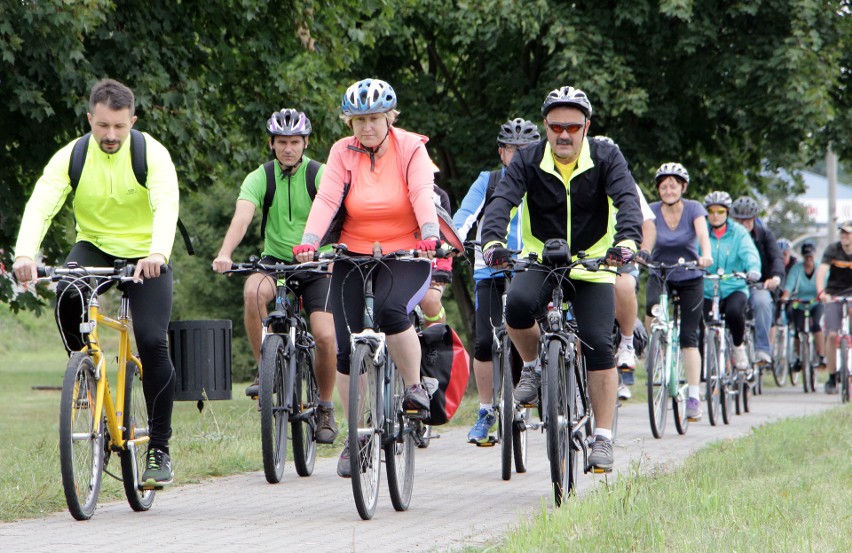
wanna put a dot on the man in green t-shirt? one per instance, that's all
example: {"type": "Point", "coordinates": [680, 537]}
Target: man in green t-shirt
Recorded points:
{"type": "Point", "coordinates": [289, 130]}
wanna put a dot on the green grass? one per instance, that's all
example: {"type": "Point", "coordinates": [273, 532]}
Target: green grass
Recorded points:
{"type": "Point", "coordinates": [785, 487]}
{"type": "Point", "coordinates": [223, 439]}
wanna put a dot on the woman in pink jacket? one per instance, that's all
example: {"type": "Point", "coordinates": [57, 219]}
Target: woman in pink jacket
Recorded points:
{"type": "Point", "coordinates": [382, 178]}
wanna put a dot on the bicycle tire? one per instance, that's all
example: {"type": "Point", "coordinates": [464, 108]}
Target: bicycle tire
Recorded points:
{"type": "Point", "coordinates": [558, 421]}
{"type": "Point", "coordinates": [271, 395]}
{"type": "Point", "coordinates": [781, 359]}
{"type": "Point", "coordinates": [679, 400]}
{"type": "Point", "coordinates": [425, 436]}
{"type": "Point", "coordinates": [657, 384]}
{"type": "Point", "coordinates": [727, 381]}
{"type": "Point", "coordinates": [364, 430]}
{"type": "Point", "coordinates": [303, 423]}
{"type": "Point", "coordinates": [519, 439]}
{"type": "Point", "coordinates": [805, 361]}
{"type": "Point", "coordinates": [399, 446]}
{"type": "Point", "coordinates": [81, 441]}
{"type": "Point", "coordinates": [712, 378]}
{"type": "Point", "coordinates": [135, 423]}
{"type": "Point", "coordinates": [577, 379]}
{"type": "Point", "coordinates": [506, 403]}
{"type": "Point", "coordinates": [844, 368]}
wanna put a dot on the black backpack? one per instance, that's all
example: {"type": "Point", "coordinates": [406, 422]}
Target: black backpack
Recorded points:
{"type": "Point", "coordinates": [139, 161]}
{"type": "Point", "coordinates": [311, 172]}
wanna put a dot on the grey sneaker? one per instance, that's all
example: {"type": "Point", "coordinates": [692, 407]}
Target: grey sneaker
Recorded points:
{"type": "Point", "coordinates": [526, 391]}
{"type": "Point", "coordinates": [251, 389]}
{"type": "Point", "coordinates": [416, 399]}
{"type": "Point", "coordinates": [693, 409]}
{"type": "Point", "coordinates": [344, 469]}
{"type": "Point", "coordinates": [326, 425]}
{"type": "Point", "coordinates": [158, 469]}
{"type": "Point", "coordinates": [601, 457]}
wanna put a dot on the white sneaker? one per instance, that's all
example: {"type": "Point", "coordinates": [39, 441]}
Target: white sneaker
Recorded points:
{"type": "Point", "coordinates": [763, 357]}
{"type": "Point", "coordinates": [625, 357]}
{"type": "Point", "coordinates": [740, 358]}
{"type": "Point", "coordinates": [624, 392]}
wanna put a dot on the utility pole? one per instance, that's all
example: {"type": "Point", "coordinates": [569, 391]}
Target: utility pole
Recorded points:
{"type": "Point", "coordinates": [831, 174]}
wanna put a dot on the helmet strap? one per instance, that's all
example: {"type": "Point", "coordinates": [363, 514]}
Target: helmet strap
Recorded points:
{"type": "Point", "coordinates": [291, 169]}
{"type": "Point", "coordinates": [719, 226]}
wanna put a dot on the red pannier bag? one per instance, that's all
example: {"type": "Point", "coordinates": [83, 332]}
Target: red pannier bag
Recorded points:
{"type": "Point", "coordinates": [444, 369]}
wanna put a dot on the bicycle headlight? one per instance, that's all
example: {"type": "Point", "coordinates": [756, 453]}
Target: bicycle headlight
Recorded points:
{"type": "Point", "coordinates": [657, 311]}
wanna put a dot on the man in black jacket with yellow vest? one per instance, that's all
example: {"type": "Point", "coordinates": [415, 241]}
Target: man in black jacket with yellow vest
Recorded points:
{"type": "Point", "coordinates": [569, 187]}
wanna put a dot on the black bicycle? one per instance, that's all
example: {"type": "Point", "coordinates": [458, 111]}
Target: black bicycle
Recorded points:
{"type": "Point", "coordinates": [566, 408]}
{"type": "Point", "coordinates": [287, 390]}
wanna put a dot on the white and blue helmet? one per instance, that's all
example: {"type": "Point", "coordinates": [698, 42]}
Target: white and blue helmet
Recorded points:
{"type": "Point", "coordinates": [368, 96]}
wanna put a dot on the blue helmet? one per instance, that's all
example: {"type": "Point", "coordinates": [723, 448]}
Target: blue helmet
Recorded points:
{"type": "Point", "coordinates": [368, 96]}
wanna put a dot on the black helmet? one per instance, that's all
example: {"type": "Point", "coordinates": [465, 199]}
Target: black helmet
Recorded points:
{"type": "Point", "coordinates": [744, 208]}
{"type": "Point", "coordinates": [518, 132]}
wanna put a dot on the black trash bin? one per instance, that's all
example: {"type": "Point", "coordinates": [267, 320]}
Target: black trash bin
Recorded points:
{"type": "Point", "coordinates": [201, 354]}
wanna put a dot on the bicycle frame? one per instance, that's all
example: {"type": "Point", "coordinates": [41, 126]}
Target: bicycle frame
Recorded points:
{"type": "Point", "coordinates": [670, 328]}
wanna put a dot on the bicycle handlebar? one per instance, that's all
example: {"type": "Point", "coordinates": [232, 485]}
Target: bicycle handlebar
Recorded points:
{"type": "Point", "coordinates": [120, 271]}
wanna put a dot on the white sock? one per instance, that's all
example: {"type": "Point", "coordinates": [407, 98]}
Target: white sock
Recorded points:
{"type": "Point", "coordinates": [530, 364]}
{"type": "Point", "coordinates": [604, 433]}
{"type": "Point", "coordinates": [627, 341]}
{"type": "Point", "coordinates": [694, 391]}
{"type": "Point", "coordinates": [486, 406]}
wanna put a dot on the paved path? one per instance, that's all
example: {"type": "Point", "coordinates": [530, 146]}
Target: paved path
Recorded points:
{"type": "Point", "coordinates": [459, 498]}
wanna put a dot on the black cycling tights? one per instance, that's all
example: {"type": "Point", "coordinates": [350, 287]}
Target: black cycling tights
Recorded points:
{"type": "Point", "coordinates": [398, 287]}
{"type": "Point", "coordinates": [151, 308]}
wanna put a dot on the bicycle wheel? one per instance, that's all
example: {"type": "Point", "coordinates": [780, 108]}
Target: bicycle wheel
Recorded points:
{"type": "Point", "coordinates": [399, 446]}
{"type": "Point", "coordinates": [81, 438]}
{"type": "Point", "coordinates": [843, 370]}
{"type": "Point", "coordinates": [504, 400]}
{"type": "Point", "coordinates": [303, 423]}
{"type": "Point", "coordinates": [519, 439]}
{"type": "Point", "coordinates": [712, 377]}
{"type": "Point", "coordinates": [425, 436]}
{"type": "Point", "coordinates": [135, 422]}
{"type": "Point", "coordinates": [271, 395]}
{"type": "Point", "coordinates": [558, 422]}
{"type": "Point", "coordinates": [679, 400]}
{"type": "Point", "coordinates": [728, 384]}
{"type": "Point", "coordinates": [791, 353]}
{"type": "Point", "coordinates": [805, 362]}
{"type": "Point", "coordinates": [657, 385]}
{"type": "Point", "coordinates": [780, 360]}
{"type": "Point", "coordinates": [365, 429]}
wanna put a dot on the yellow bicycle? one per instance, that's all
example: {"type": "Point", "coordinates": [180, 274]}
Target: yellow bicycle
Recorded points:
{"type": "Point", "coordinates": [92, 423]}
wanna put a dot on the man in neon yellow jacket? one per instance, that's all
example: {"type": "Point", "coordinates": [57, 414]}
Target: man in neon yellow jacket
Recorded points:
{"type": "Point", "coordinates": [117, 218]}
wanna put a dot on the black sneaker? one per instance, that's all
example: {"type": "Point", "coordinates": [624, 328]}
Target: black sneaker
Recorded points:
{"type": "Point", "coordinates": [831, 384]}
{"type": "Point", "coordinates": [526, 392]}
{"type": "Point", "coordinates": [326, 425]}
{"type": "Point", "coordinates": [252, 389]}
{"type": "Point", "coordinates": [601, 457]}
{"type": "Point", "coordinates": [158, 469]}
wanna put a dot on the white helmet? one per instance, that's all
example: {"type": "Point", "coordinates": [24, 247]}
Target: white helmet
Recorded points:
{"type": "Point", "coordinates": [567, 96]}
{"type": "Point", "coordinates": [672, 169]}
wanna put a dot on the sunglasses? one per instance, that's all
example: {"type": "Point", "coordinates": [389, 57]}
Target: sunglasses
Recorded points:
{"type": "Point", "coordinates": [717, 211]}
{"type": "Point", "coordinates": [559, 128]}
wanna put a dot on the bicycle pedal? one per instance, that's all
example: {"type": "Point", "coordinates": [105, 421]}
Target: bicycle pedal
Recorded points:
{"type": "Point", "coordinates": [598, 470]}
{"type": "Point", "coordinates": [146, 487]}
{"type": "Point", "coordinates": [416, 413]}
{"type": "Point", "coordinates": [489, 443]}
{"type": "Point", "coordinates": [529, 405]}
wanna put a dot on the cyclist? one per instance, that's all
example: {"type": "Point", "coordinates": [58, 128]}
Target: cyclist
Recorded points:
{"type": "Point", "coordinates": [801, 285]}
{"type": "Point", "coordinates": [680, 230]}
{"type": "Point", "coordinates": [116, 218]}
{"type": "Point", "coordinates": [513, 135]}
{"type": "Point", "coordinates": [732, 249]}
{"type": "Point", "coordinates": [744, 211]}
{"type": "Point", "coordinates": [289, 133]}
{"type": "Point", "coordinates": [442, 272]}
{"type": "Point", "coordinates": [626, 304]}
{"type": "Point", "coordinates": [837, 265]}
{"type": "Point", "coordinates": [786, 249]}
{"type": "Point", "coordinates": [570, 187]}
{"type": "Point", "coordinates": [388, 200]}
